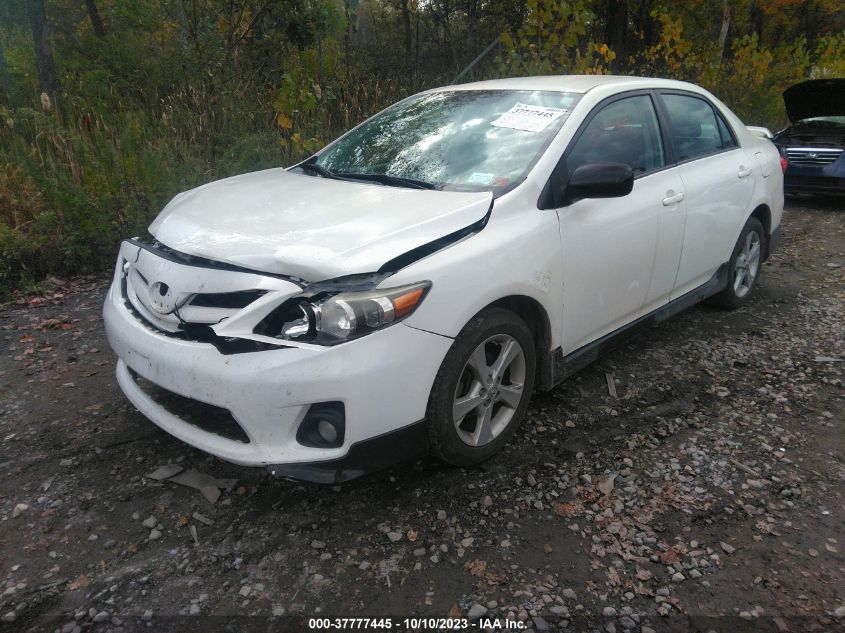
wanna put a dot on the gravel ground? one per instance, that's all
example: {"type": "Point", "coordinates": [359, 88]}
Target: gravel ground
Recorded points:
{"type": "Point", "coordinates": [707, 495]}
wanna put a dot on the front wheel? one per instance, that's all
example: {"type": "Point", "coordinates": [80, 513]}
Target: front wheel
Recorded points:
{"type": "Point", "coordinates": [743, 268]}
{"type": "Point", "coordinates": [482, 389]}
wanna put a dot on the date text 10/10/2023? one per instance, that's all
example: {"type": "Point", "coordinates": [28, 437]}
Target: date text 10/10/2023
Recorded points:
{"type": "Point", "coordinates": [418, 624]}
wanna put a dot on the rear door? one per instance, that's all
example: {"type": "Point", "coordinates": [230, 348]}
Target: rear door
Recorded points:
{"type": "Point", "coordinates": [617, 251]}
{"type": "Point", "coordinates": [718, 183]}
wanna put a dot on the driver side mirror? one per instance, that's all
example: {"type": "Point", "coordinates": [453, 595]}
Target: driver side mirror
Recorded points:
{"type": "Point", "coordinates": [598, 180]}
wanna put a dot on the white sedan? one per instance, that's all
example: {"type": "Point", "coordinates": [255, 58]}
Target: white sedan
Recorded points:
{"type": "Point", "coordinates": [408, 287]}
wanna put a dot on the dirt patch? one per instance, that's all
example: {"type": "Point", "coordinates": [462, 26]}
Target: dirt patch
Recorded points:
{"type": "Point", "coordinates": [707, 495]}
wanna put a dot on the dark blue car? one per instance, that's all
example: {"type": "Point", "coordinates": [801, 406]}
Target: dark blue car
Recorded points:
{"type": "Point", "coordinates": [814, 146]}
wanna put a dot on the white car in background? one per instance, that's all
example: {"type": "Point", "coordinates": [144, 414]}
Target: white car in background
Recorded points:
{"type": "Point", "coordinates": [408, 287]}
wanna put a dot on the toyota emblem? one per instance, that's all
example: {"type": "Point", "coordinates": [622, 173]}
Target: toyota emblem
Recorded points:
{"type": "Point", "coordinates": [162, 298]}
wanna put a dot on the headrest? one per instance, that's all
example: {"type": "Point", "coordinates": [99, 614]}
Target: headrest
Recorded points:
{"type": "Point", "coordinates": [688, 127]}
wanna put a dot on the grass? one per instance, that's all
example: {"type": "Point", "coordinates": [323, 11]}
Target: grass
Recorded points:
{"type": "Point", "coordinates": [76, 179]}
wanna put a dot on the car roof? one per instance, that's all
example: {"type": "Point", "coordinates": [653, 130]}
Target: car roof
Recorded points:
{"type": "Point", "coordinates": [570, 83]}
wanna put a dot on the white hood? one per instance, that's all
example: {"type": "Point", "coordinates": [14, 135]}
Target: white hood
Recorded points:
{"type": "Point", "coordinates": [310, 227]}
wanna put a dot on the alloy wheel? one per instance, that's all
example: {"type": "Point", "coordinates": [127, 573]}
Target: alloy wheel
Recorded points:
{"type": "Point", "coordinates": [489, 391]}
{"type": "Point", "coordinates": [747, 265]}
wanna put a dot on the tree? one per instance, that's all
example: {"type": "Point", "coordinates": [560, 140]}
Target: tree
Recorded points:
{"type": "Point", "coordinates": [5, 79]}
{"type": "Point", "coordinates": [47, 79]}
{"type": "Point", "coordinates": [723, 33]}
{"type": "Point", "coordinates": [94, 15]}
{"type": "Point", "coordinates": [472, 24]}
{"type": "Point", "coordinates": [616, 35]}
{"type": "Point", "coordinates": [755, 19]}
{"type": "Point", "coordinates": [406, 29]}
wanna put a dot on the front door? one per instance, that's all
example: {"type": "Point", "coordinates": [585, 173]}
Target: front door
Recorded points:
{"type": "Point", "coordinates": [610, 245]}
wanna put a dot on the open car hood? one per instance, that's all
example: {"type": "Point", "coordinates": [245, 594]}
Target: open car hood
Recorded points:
{"type": "Point", "coordinates": [310, 227]}
{"type": "Point", "coordinates": [815, 98]}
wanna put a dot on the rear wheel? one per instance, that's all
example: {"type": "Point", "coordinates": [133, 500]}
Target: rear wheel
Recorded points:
{"type": "Point", "coordinates": [482, 388]}
{"type": "Point", "coordinates": [743, 268]}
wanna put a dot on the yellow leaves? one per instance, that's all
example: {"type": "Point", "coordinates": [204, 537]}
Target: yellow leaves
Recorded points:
{"type": "Point", "coordinates": [554, 40]}
{"type": "Point", "coordinates": [830, 56]}
{"type": "Point", "coordinates": [567, 509]}
{"type": "Point", "coordinates": [476, 567]}
{"type": "Point", "coordinates": [668, 56]}
{"type": "Point", "coordinates": [299, 146]}
{"type": "Point", "coordinates": [284, 121]}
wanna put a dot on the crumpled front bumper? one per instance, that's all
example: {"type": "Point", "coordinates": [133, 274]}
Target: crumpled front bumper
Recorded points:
{"type": "Point", "coordinates": [383, 380]}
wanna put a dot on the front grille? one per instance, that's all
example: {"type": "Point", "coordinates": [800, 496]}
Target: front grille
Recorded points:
{"type": "Point", "coordinates": [206, 308]}
{"type": "Point", "coordinates": [812, 156]}
{"type": "Point", "coordinates": [204, 416]}
{"type": "Point", "coordinates": [186, 299]}
{"type": "Point", "coordinates": [231, 300]}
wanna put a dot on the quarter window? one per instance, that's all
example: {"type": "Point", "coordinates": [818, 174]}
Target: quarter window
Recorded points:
{"type": "Point", "coordinates": [696, 129]}
{"type": "Point", "coordinates": [725, 132]}
{"type": "Point", "coordinates": [625, 131]}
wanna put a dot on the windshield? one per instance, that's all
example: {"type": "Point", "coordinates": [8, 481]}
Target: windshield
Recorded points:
{"type": "Point", "coordinates": [824, 121]}
{"type": "Point", "coordinates": [467, 140]}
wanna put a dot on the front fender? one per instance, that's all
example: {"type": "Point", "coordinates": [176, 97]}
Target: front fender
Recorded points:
{"type": "Point", "coordinates": [516, 254]}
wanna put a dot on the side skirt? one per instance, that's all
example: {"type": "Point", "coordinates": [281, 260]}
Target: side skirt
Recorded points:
{"type": "Point", "coordinates": [564, 366]}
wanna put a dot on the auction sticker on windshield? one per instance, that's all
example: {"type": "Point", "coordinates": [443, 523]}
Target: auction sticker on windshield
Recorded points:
{"type": "Point", "coordinates": [529, 118]}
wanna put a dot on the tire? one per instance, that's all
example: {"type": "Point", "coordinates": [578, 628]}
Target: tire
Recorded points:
{"type": "Point", "coordinates": [743, 268]}
{"type": "Point", "coordinates": [492, 409]}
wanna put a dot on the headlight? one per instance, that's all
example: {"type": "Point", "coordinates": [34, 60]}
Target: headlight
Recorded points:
{"type": "Point", "coordinates": [329, 317]}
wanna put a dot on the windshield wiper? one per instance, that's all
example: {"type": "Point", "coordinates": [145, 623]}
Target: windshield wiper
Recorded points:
{"type": "Point", "coordinates": [314, 168]}
{"type": "Point", "coordinates": [393, 181]}
{"type": "Point", "coordinates": [385, 179]}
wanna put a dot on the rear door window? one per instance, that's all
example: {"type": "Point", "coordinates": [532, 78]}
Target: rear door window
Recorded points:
{"type": "Point", "coordinates": [695, 128]}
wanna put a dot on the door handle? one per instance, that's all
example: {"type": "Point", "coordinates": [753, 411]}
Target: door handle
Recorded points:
{"type": "Point", "coordinates": [673, 199]}
{"type": "Point", "coordinates": [743, 172]}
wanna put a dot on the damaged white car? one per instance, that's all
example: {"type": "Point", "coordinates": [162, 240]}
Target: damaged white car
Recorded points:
{"type": "Point", "coordinates": [408, 287]}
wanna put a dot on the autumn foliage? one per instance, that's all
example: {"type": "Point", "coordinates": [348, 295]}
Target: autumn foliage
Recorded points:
{"type": "Point", "coordinates": [110, 107]}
